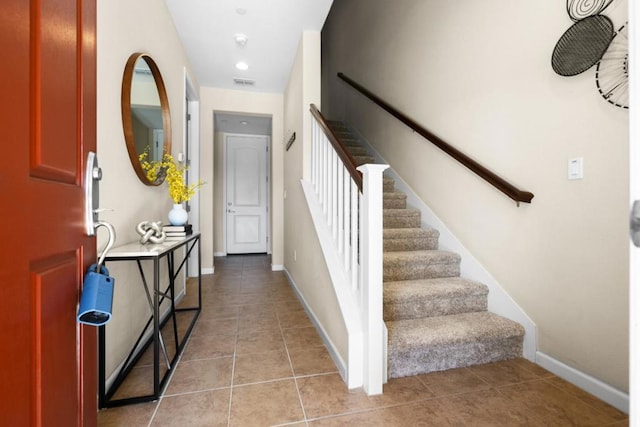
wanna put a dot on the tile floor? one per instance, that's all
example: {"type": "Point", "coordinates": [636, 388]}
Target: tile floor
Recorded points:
{"type": "Point", "coordinates": [255, 359]}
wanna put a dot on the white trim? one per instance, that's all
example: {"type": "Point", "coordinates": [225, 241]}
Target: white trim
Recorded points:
{"type": "Point", "coordinates": [333, 352]}
{"type": "Point", "coordinates": [224, 184]}
{"type": "Point", "coordinates": [192, 104]}
{"type": "Point", "coordinates": [634, 193]}
{"type": "Point", "coordinates": [601, 390]}
{"type": "Point", "coordinates": [277, 267]}
{"type": "Point", "coordinates": [500, 302]}
{"type": "Point", "coordinates": [211, 270]}
{"type": "Point", "coordinates": [219, 254]}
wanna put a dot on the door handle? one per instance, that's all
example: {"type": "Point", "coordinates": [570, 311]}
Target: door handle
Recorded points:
{"type": "Point", "coordinates": [230, 211]}
{"type": "Point", "coordinates": [93, 174]}
{"type": "Point", "coordinates": [634, 223]}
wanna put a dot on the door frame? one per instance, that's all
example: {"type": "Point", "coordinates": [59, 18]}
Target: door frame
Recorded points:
{"type": "Point", "coordinates": [634, 194]}
{"type": "Point", "coordinates": [191, 144]}
{"type": "Point", "coordinates": [224, 187]}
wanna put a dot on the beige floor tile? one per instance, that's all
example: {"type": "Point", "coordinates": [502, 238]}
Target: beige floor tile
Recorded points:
{"type": "Point", "coordinates": [326, 395]}
{"type": "Point", "coordinates": [265, 404]}
{"type": "Point", "coordinates": [139, 382]}
{"type": "Point", "coordinates": [502, 373]}
{"type": "Point", "coordinates": [482, 408]}
{"type": "Point", "coordinates": [198, 375]}
{"type": "Point", "coordinates": [252, 311]}
{"type": "Point", "coordinates": [130, 415]}
{"type": "Point", "coordinates": [373, 418]}
{"type": "Point", "coordinates": [553, 406]}
{"type": "Point", "coordinates": [534, 368]}
{"type": "Point", "coordinates": [259, 324]}
{"type": "Point", "coordinates": [253, 315]}
{"type": "Point", "coordinates": [259, 342]}
{"type": "Point", "coordinates": [402, 390]}
{"type": "Point", "coordinates": [454, 381]}
{"type": "Point", "coordinates": [285, 305]}
{"type": "Point", "coordinates": [209, 346]}
{"type": "Point", "coordinates": [302, 337]}
{"type": "Point", "coordinates": [428, 413]}
{"type": "Point", "coordinates": [206, 409]}
{"type": "Point", "coordinates": [218, 312]}
{"type": "Point", "coordinates": [294, 319]}
{"type": "Point", "coordinates": [259, 367]}
{"type": "Point", "coordinates": [311, 361]}
{"type": "Point", "coordinates": [588, 398]}
{"type": "Point", "coordinates": [216, 327]}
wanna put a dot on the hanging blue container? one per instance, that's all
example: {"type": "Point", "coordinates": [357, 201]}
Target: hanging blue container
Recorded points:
{"type": "Point", "coordinates": [97, 297]}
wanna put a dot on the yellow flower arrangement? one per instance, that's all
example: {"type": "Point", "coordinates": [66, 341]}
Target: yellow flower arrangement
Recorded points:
{"type": "Point", "coordinates": [174, 174]}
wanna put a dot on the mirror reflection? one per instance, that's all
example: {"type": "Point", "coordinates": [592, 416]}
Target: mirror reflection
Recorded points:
{"type": "Point", "coordinates": [145, 113]}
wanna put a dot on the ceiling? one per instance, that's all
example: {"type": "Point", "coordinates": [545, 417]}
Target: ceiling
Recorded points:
{"type": "Point", "coordinates": [273, 28]}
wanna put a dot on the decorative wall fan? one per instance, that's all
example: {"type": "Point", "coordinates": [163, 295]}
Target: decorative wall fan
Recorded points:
{"type": "Point", "coordinates": [612, 72]}
{"type": "Point", "coordinates": [589, 41]}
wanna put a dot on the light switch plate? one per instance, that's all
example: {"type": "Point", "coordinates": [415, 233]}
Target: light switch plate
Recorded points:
{"type": "Point", "coordinates": [575, 168]}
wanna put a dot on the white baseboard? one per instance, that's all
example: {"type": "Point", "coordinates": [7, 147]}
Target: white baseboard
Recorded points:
{"type": "Point", "coordinates": [277, 267]}
{"type": "Point", "coordinates": [601, 390]}
{"type": "Point", "coordinates": [208, 270]}
{"type": "Point", "coordinates": [219, 254]}
{"type": "Point", "coordinates": [340, 364]}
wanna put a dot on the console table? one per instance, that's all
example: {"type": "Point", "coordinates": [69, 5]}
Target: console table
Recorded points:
{"type": "Point", "coordinates": [153, 253]}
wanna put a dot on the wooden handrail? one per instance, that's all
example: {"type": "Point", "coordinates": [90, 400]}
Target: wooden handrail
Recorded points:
{"type": "Point", "coordinates": [501, 184]}
{"type": "Point", "coordinates": [344, 155]}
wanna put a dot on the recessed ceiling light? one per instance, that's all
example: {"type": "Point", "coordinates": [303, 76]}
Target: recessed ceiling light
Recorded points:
{"type": "Point", "coordinates": [242, 66]}
{"type": "Point", "coordinates": [241, 11]}
{"type": "Point", "coordinates": [244, 122]}
{"type": "Point", "coordinates": [241, 39]}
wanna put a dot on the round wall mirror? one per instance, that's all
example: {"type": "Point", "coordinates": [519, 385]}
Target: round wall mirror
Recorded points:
{"type": "Point", "coordinates": [145, 113]}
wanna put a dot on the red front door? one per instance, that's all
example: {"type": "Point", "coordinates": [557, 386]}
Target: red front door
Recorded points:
{"type": "Point", "coordinates": [47, 112]}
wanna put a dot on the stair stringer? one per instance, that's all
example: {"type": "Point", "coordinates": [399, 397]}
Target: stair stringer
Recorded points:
{"type": "Point", "coordinates": [351, 370]}
{"type": "Point", "coordinates": [499, 301]}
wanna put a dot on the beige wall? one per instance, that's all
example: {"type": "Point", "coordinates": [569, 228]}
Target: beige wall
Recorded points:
{"type": "Point", "coordinates": [211, 166]}
{"type": "Point", "coordinates": [480, 77]}
{"type": "Point", "coordinates": [307, 269]}
{"type": "Point", "coordinates": [125, 27]}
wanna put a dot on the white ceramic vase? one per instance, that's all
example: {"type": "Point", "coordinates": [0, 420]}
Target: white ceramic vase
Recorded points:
{"type": "Point", "coordinates": [178, 215]}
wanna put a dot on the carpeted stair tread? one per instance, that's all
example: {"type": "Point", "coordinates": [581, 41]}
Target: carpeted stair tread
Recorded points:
{"type": "Point", "coordinates": [411, 265]}
{"type": "Point", "coordinates": [412, 299]}
{"type": "Point", "coordinates": [436, 320]}
{"type": "Point", "coordinates": [356, 150]}
{"type": "Point", "coordinates": [409, 239]}
{"type": "Point", "coordinates": [349, 141]}
{"type": "Point", "coordinates": [394, 200]}
{"type": "Point", "coordinates": [401, 218]}
{"type": "Point", "coordinates": [388, 184]}
{"type": "Point", "coordinates": [361, 160]}
{"type": "Point", "coordinates": [431, 344]}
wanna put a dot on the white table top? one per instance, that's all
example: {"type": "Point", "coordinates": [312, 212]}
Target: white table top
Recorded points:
{"type": "Point", "coordinates": [149, 250]}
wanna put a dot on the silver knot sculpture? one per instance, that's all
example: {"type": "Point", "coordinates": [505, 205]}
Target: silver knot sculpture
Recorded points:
{"type": "Point", "coordinates": [151, 232]}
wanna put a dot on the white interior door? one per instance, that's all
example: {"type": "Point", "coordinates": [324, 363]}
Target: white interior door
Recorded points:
{"type": "Point", "coordinates": [247, 194]}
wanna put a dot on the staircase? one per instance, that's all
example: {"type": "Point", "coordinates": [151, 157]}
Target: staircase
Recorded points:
{"type": "Point", "coordinates": [436, 320]}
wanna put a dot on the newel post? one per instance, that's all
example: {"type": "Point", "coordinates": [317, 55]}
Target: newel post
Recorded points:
{"type": "Point", "coordinates": [371, 251]}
